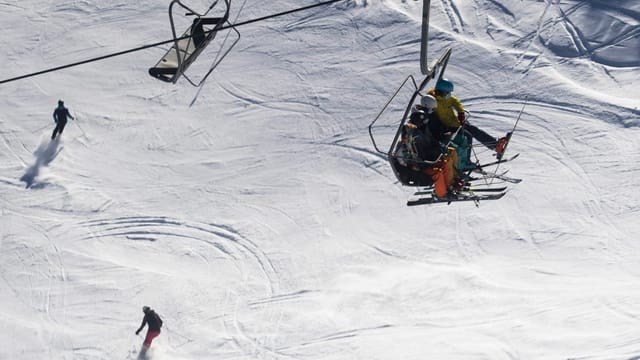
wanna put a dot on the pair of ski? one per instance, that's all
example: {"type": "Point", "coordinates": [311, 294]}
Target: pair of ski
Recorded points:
{"type": "Point", "coordinates": [466, 194]}
{"type": "Point", "coordinates": [469, 192]}
{"type": "Point", "coordinates": [480, 169]}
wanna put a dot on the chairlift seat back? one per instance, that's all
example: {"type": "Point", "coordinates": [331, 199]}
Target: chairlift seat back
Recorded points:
{"type": "Point", "coordinates": [184, 51]}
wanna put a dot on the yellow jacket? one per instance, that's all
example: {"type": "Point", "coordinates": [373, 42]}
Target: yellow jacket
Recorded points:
{"type": "Point", "coordinates": [445, 108]}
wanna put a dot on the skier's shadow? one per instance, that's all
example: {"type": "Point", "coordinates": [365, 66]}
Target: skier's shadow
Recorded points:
{"type": "Point", "coordinates": [44, 154]}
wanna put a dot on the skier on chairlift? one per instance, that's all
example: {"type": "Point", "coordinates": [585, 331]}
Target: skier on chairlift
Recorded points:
{"type": "Point", "coordinates": [425, 119]}
{"type": "Point", "coordinates": [452, 115]}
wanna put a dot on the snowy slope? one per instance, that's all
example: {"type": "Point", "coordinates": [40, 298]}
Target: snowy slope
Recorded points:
{"type": "Point", "coordinates": [260, 223]}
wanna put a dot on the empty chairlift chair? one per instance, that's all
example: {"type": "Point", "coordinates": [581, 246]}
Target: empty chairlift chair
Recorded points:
{"type": "Point", "coordinates": [188, 47]}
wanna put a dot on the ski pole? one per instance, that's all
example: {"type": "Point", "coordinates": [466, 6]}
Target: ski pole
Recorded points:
{"type": "Point", "coordinates": [526, 99]}
{"type": "Point", "coordinates": [77, 121]}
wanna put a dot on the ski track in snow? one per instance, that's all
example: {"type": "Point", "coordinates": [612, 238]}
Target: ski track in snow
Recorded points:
{"type": "Point", "coordinates": [150, 228]}
{"type": "Point", "coordinates": [453, 14]}
{"type": "Point", "coordinates": [221, 238]}
{"type": "Point", "coordinates": [580, 43]}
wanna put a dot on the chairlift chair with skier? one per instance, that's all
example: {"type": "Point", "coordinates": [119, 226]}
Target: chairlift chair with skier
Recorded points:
{"type": "Point", "coordinates": [428, 173]}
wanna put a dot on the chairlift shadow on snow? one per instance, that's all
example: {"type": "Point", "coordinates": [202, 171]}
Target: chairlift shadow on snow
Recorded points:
{"type": "Point", "coordinates": [44, 154]}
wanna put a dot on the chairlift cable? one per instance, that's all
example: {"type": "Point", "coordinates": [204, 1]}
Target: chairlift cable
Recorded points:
{"type": "Point", "coordinates": [144, 47]}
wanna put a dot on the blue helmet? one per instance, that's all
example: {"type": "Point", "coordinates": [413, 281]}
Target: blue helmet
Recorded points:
{"type": "Point", "coordinates": [444, 85]}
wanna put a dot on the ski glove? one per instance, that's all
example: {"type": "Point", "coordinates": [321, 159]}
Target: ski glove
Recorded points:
{"type": "Point", "coordinates": [461, 118]}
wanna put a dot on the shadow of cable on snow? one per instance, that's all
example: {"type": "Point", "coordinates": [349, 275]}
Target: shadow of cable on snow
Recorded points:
{"type": "Point", "coordinates": [44, 154]}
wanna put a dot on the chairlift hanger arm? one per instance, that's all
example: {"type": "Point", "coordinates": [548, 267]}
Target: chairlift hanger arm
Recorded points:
{"type": "Point", "coordinates": [438, 68]}
{"type": "Point", "coordinates": [193, 12]}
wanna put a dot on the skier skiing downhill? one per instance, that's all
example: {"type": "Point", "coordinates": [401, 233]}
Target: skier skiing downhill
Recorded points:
{"type": "Point", "coordinates": [154, 322]}
{"type": "Point", "coordinates": [60, 115]}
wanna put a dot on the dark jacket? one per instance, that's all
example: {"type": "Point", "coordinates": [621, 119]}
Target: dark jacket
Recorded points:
{"type": "Point", "coordinates": [60, 114]}
{"type": "Point", "coordinates": [421, 139]}
{"type": "Point", "coordinates": [153, 320]}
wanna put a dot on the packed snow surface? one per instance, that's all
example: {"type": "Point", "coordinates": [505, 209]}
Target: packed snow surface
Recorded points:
{"type": "Point", "coordinates": [255, 215]}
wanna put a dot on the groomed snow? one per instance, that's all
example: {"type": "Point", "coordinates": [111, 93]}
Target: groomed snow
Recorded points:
{"type": "Point", "coordinates": [261, 224]}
